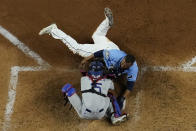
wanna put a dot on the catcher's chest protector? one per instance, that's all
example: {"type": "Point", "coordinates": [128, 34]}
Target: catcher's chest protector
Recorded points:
{"type": "Point", "coordinates": [94, 101]}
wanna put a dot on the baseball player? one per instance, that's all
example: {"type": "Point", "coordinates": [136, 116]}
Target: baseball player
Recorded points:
{"type": "Point", "coordinates": [96, 101]}
{"type": "Point", "coordinates": [99, 37]}
{"type": "Point", "coordinates": [118, 63]}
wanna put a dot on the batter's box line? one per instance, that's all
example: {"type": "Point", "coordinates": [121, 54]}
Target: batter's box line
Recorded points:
{"type": "Point", "coordinates": [12, 91]}
{"type": "Point", "coordinates": [43, 65]}
{"type": "Point", "coordinates": [168, 68]}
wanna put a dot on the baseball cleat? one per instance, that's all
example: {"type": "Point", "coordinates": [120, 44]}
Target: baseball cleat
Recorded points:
{"type": "Point", "coordinates": [47, 29]}
{"type": "Point", "coordinates": [118, 120]}
{"type": "Point", "coordinates": [108, 14]}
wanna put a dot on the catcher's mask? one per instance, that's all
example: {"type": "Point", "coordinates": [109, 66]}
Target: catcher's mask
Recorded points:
{"type": "Point", "coordinates": [96, 68]}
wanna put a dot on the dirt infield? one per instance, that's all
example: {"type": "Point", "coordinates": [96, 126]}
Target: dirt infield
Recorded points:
{"type": "Point", "coordinates": [157, 32]}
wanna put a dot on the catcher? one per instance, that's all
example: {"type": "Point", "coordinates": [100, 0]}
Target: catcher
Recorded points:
{"type": "Point", "coordinates": [97, 101]}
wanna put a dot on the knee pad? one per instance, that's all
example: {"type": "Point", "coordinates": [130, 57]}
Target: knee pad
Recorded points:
{"type": "Point", "coordinates": [68, 89]}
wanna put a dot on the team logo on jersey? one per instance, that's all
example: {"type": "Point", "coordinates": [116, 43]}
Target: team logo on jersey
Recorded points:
{"type": "Point", "coordinates": [131, 76]}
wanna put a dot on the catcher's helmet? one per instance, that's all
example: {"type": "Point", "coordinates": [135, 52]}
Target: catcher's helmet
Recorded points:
{"type": "Point", "coordinates": [96, 68]}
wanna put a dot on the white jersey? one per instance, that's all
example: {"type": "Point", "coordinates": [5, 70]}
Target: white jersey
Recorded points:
{"type": "Point", "coordinates": [92, 101]}
{"type": "Point", "coordinates": [92, 105]}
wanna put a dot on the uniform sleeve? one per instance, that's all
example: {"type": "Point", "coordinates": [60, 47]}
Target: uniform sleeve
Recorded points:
{"type": "Point", "coordinates": [98, 54]}
{"type": "Point", "coordinates": [132, 73]}
{"type": "Point", "coordinates": [111, 85]}
{"type": "Point", "coordinates": [131, 77]}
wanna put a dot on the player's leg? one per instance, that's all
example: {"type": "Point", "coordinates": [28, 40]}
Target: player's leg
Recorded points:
{"type": "Point", "coordinates": [103, 28]}
{"type": "Point", "coordinates": [92, 110]}
{"type": "Point", "coordinates": [99, 36]}
{"type": "Point", "coordinates": [101, 31]}
{"type": "Point", "coordinates": [76, 103]}
{"type": "Point", "coordinates": [114, 111]}
{"type": "Point", "coordinates": [83, 50]}
{"type": "Point", "coordinates": [73, 98]}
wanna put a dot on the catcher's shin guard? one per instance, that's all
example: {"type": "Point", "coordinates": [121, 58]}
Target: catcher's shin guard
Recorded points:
{"type": "Point", "coordinates": [115, 105]}
{"type": "Point", "coordinates": [116, 117]}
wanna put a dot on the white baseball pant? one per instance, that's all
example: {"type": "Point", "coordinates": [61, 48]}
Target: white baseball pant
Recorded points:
{"type": "Point", "coordinates": [81, 109]}
{"type": "Point", "coordinates": [99, 37]}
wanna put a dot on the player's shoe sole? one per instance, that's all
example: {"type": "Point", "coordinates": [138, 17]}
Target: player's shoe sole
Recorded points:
{"type": "Point", "coordinates": [47, 29]}
{"type": "Point", "coordinates": [118, 120]}
{"type": "Point", "coordinates": [108, 14]}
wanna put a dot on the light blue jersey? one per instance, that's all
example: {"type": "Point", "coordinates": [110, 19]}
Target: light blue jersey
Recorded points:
{"type": "Point", "coordinates": [113, 59]}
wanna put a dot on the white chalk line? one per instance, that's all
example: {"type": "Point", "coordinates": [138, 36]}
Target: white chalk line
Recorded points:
{"type": "Point", "coordinates": [169, 68]}
{"type": "Point", "coordinates": [190, 63]}
{"type": "Point", "coordinates": [187, 67]}
{"type": "Point", "coordinates": [25, 49]}
{"type": "Point", "coordinates": [43, 65]}
{"type": "Point", "coordinates": [136, 116]}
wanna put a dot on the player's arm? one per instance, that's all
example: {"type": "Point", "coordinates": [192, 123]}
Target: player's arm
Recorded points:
{"type": "Point", "coordinates": [130, 85]}
{"type": "Point", "coordinates": [122, 99]}
{"type": "Point", "coordinates": [98, 54]}
{"type": "Point", "coordinates": [131, 78]}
